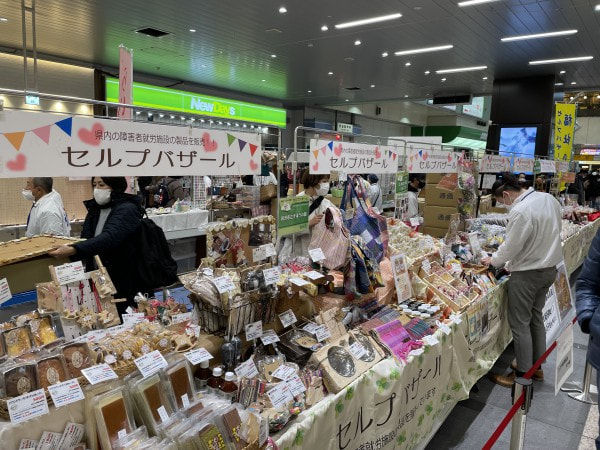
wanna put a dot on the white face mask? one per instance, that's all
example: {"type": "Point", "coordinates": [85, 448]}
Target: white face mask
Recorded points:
{"type": "Point", "coordinates": [102, 196]}
{"type": "Point", "coordinates": [323, 189]}
{"type": "Point", "coordinates": [27, 195]}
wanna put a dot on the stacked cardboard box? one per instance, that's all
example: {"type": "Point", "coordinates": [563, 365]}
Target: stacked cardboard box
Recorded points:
{"type": "Point", "coordinates": [440, 205]}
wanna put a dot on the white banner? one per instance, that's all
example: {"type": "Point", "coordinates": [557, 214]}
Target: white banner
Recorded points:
{"type": "Point", "coordinates": [547, 166]}
{"type": "Point", "coordinates": [562, 166]}
{"type": "Point", "coordinates": [125, 81]}
{"type": "Point", "coordinates": [494, 164]}
{"type": "Point", "coordinates": [34, 144]}
{"type": "Point", "coordinates": [351, 158]}
{"type": "Point", "coordinates": [431, 161]}
{"type": "Point", "coordinates": [522, 165]}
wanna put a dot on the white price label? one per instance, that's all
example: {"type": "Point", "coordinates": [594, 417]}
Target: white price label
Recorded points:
{"type": "Point", "coordinates": [264, 431]}
{"type": "Point", "coordinates": [162, 413]}
{"type": "Point", "coordinates": [322, 333]}
{"type": "Point", "coordinates": [456, 319]}
{"type": "Point", "coordinates": [247, 369]}
{"type": "Point", "coordinates": [122, 433]}
{"type": "Point", "coordinates": [474, 242]}
{"type": "Point", "coordinates": [27, 406]}
{"type": "Point", "coordinates": [113, 331]}
{"type": "Point", "coordinates": [271, 275]}
{"type": "Point", "coordinates": [224, 284]}
{"type": "Point", "coordinates": [299, 282]}
{"type": "Point", "coordinates": [445, 328]}
{"type": "Point", "coordinates": [150, 363]}
{"type": "Point", "coordinates": [456, 268]}
{"type": "Point", "coordinates": [27, 444]}
{"type": "Point", "coordinates": [132, 319]}
{"type": "Point", "coordinates": [284, 372]}
{"type": "Point", "coordinates": [316, 254]}
{"type": "Point", "coordinates": [197, 356]}
{"type": "Point", "coordinates": [5, 294]}
{"type": "Point", "coordinates": [270, 250]}
{"type": "Point", "coordinates": [259, 254]}
{"type": "Point", "coordinates": [185, 401]}
{"type": "Point", "coordinates": [66, 392]}
{"type": "Point", "coordinates": [430, 340]}
{"type": "Point", "coordinates": [184, 317]}
{"type": "Point", "coordinates": [69, 273]}
{"type": "Point", "coordinates": [314, 275]}
{"type": "Point", "coordinates": [208, 272]}
{"type": "Point", "coordinates": [72, 435]}
{"type": "Point", "coordinates": [287, 318]}
{"type": "Point", "coordinates": [416, 352]}
{"type": "Point", "coordinates": [269, 337]}
{"type": "Point", "coordinates": [357, 350]}
{"type": "Point", "coordinates": [49, 441]}
{"type": "Point", "coordinates": [310, 327]}
{"type": "Point", "coordinates": [295, 385]}
{"type": "Point", "coordinates": [99, 373]}
{"type": "Point", "coordinates": [254, 330]}
{"type": "Point", "coordinates": [426, 266]}
{"type": "Point", "coordinates": [415, 222]}
{"type": "Point", "coordinates": [280, 395]}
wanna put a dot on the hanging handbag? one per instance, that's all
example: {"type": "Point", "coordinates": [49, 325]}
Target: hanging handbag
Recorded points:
{"type": "Point", "coordinates": [328, 235]}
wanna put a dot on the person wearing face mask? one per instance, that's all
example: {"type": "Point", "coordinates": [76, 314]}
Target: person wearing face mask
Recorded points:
{"type": "Point", "coordinates": [47, 214]}
{"type": "Point", "coordinates": [316, 187]}
{"type": "Point", "coordinates": [109, 228]}
{"type": "Point", "coordinates": [531, 252]}
{"type": "Point", "coordinates": [414, 184]}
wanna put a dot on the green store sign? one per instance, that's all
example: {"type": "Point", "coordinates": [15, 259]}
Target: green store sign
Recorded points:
{"type": "Point", "coordinates": [192, 103]}
{"type": "Point", "coordinates": [401, 183]}
{"type": "Point", "coordinates": [293, 215]}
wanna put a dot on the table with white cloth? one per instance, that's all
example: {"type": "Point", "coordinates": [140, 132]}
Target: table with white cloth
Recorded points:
{"type": "Point", "coordinates": [181, 224]}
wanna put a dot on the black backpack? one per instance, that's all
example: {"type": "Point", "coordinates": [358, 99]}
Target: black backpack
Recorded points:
{"type": "Point", "coordinates": [156, 267]}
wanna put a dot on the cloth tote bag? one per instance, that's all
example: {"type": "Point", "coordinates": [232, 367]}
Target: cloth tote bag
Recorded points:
{"type": "Point", "coordinates": [329, 236]}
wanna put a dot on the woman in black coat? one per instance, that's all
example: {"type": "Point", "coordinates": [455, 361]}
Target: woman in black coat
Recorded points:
{"type": "Point", "coordinates": [110, 229]}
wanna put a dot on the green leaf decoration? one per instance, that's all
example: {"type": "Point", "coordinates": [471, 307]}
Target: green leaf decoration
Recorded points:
{"type": "Point", "coordinates": [382, 384]}
{"type": "Point", "coordinates": [299, 438]}
{"type": "Point", "coordinates": [349, 393]}
{"type": "Point", "coordinates": [429, 408]}
{"type": "Point", "coordinates": [456, 387]}
{"type": "Point", "coordinates": [426, 349]}
{"type": "Point", "coordinates": [402, 438]}
{"type": "Point", "coordinates": [421, 359]}
{"type": "Point", "coordinates": [470, 371]}
{"type": "Point", "coordinates": [444, 338]}
{"type": "Point", "coordinates": [395, 374]}
{"type": "Point", "coordinates": [339, 407]}
{"type": "Point", "coordinates": [421, 417]}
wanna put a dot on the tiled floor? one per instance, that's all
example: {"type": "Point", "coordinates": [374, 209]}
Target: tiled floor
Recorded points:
{"type": "Point", "coordinates": [553, 422]}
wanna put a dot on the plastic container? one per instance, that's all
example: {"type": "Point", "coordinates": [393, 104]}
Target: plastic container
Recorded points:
{"type": "Point", "coordinates": [202, 373]}
{"type": "Point", "coordinates": [229, 388]}
{"type": "Point", "coordinates": [215, 381]}
{"type": "Point", "coordinates": [114, 417]}
{"type": "Point", "coordinates": [154, 400]}
{"type": "Point", "coordinates": [179, 376]}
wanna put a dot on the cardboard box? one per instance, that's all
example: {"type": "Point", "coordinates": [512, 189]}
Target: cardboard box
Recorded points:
{"type": "Point", "coordinates": [421, 206]}
{"type": "Point", "coordinates": [435, 232]}
{"type": "Point", "coordinates": [434, 178]}
{"type": "Point", "coordinates": [441, 197]}
{"type": "Point", "coordinates": [438, 216]}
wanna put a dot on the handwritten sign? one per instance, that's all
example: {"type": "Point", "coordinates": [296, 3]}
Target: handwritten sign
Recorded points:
{"type": "Point", "coordinates": [522, 165]}
{"type": "Point", "coordinates": [494, 164]}
{"type": "Point", "coordinates": [150, 363]}
{"type": "Point", "coordinates": [431, 161]}
{"type": "Point", "coordinates": [5, 294]}
{"type": "Point", "coordinates": [349, 157]}
{"type": "Point", "coordinates": [99, 373]}
{"type": "Point", "coordinates": [69, 273]}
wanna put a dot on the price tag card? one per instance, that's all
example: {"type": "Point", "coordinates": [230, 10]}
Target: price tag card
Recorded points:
{"type": "Point", "coordinates": [456, 319]}
{"type": "Point", "coordinates": [150, 363]}
{"type": "Point", "coordinates": [72, 435]}
{"type": "Point", "coordinates": [27, 406]}
{"type": "Point", "coordinates": [254, 330]}
{"type": "Point", "coordinates": [442, 326]}
{"type": "Point", "coordinates": [287, 318]}
{"type": "Point", "coordinates": [49, 441]}
{"type": "Point", "coordinates": [132, 319]}
{"type": "Point", "coordinates": [27, 444]}
{"type": "Point", "coordinates": [456, 268]}
{"type": "Point", "coordinates": [322, 333]}
{"type": "Point", "coordinates": [122, 433]}
{"type": "Point", "coordinates": [113, 331]}
{"type": "Point", "coordinates": [430, 340]}
{"type": "Point", "coordinates": [314, 275]}
{"type": "Point", "coordinates": [259, 254]}
{"type": "Point", "coordinates": [208, 272]}
{"type": "Point", "coordinates": [198, 355]}
{"type": "Point", "coordinates": [310, 327]}
{"type": "Point", "coordinates": [269, 337]}
{"type": "Point", "coordinates": [270, 250]}
{"type": "Point", "coordinates": [247, 369]}
{"type": "Point", "coordinates": [70, 272]}
{"type": "Point", "coordinates": [185, 317]}
{"type": "Point", "coordinates": [415, 222]}
{"type": "Point", "coordinates": [426, 266]}
{"type": "Point", "coordinates": [316, 254]}
{"type": "Point", "coordinates": [162, 413]}
{"type": "Point", "coordinates": [295, 385]}
{"type": "Point", "coordinates": [66, 392]}
{"type": "Point", "coordinates": [185, 401]}
{"type": "Point", "coordinates": [5, 294]}
{"type": "Point", "coordinates": [284, 372]}
{"type": "Point", "coordinates": [299, 282]}
{"type": "Point", "coordinates": [416, 352]}
{"type": "Point", "coordinates": [474, 242]}
{"type": "Point", "coordinates": [224, 284]}
{"type": "Point", "coordinates": [280, 395]}
{"type": "Point", "coordinates": [357, 350]}
{"type": "Point", "coordinates": [271, 275]}
{"type": "Point", "coordinates": [264, 432]}
{"type": "Point", "coordinates": [99, 373]}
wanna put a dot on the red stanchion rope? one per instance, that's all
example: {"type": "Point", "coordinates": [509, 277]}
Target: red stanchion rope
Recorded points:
{"type": "Point", "coordinates": [515, 407]}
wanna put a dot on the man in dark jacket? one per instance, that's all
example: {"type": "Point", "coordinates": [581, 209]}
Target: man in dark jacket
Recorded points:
{"type": "Point", "coordinates": [587, 291]}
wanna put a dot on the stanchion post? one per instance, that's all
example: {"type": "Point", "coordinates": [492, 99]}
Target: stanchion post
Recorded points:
{"type": "Point", "coordinates": [584, 393]}
{"type": "Point", "coordinates": [517, 433]}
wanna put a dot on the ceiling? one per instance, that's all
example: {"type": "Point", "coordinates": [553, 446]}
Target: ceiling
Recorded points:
{"type": "Point", "coordinates": [232, 46]}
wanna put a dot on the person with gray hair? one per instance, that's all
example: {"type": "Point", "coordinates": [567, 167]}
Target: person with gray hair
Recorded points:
{"type": "Point", "coordinates": [47, 214]}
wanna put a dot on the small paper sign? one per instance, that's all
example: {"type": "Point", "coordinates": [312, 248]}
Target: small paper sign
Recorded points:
{"type": "Point", "coordinates": [162, 413]}
{"type": "Point", "coordinates": [184, 317]}
{"type": "Point", "coordinates": [69, 273]}
{"type": "Point", "coordinates": [5, 294]}
{"type": "Point", "coordinates": [401, 277]}
{"type": "Point", "coordinates": [97, 374]}
{"type": "Point", "coordinates": [426, 266]}
{"type": "Point", "coordinates": [284, 372]}
{"type": "Point", "coordinates": [197, 356]}
{"type": "Point", "coordinates": [316, 254]}
{"type": "Point", "coordinates": [247, 369]}
{"type": "Point", "coordinates": [258, 254]}
{"type": "Point", "coordinates": [122, 433]}
{"type": "Point", "coordinates": [254, 330]}
{"type": "Point", "coordinates": [314, 275]}
{"type": "Point", "coordinates": [475, 245]}
{"type": "Point", "coordinates": [357, 350]}
{"type": "Point", "coordinates": [185, 401]}
{"type": "Point", "coordinates": [224, 284]}
{"type": "Point", "coordinates": [430, 340]}
{"type": "Point", "coordinates": [322, 333]}
{"type": "Point", "coordinates": [66, 392]}
{"type": "Point", "coordinates": [295, 385]}
{"type": "Point", "coordinates": [271, 275]}
{"type": "Point", "coordinates": [445, 328]}
{"type": "Point", "coordinates": [269, 337]}
{"type": "Point", "coordinates": [310, 327]}
{"type": "Point", "coordinates": [299, 282]}
{"type": "Point", "coordinates": [27, 406]}
{"type": "Point", "coordinates": [414, 222]}
{"type": "Point", "coordinates": [264, 432]}
{"type": "Point", "coordinates": [280, 395]}
{"type": "Point", "coordinates": [287, 318]}
{"type": "Point", "coordinates": [270, 250]}
{"type": "Point", "coordinates": [208, 272]}
{"type": "Point", "coordinates": [150, 363]}
{"type": "Point", "coordinates": [456, 319]}
{"type": "Point", "coordinates": [132, 319]}
{"type": "Point", "coordinates": [416, 352]}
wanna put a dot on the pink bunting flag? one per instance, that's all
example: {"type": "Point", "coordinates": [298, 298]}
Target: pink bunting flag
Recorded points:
{"type": "Point", "coordinates": [43, 133]}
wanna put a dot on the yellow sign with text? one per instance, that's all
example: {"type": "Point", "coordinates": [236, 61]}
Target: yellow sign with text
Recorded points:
{"type": "Point", "coordinates": [564, 129]}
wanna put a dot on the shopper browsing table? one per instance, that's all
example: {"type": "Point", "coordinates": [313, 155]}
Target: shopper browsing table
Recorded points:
{"type": "Point", "coordinates": [531, 251]}
{"type": "Point", "coordinates": [47, 214]}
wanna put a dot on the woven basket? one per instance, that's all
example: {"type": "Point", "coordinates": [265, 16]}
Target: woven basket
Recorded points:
{"type": "Point", "coordinates": [268, 192]}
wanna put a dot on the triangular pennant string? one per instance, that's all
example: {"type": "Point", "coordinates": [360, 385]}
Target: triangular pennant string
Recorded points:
{"type": "Point", "coordinates": [316, 153]}
{"type": "Point", "coordinates": [16, 139]}
{"type": "Point", "coordinates": [330, 145]}
{"type": "Point", "coordinates": [66, 125]}
{"type": "Point", "coordinates": [230, 139]}
{"type": "Point", "coordinates": [323, 149]}
{"type": "Point", "coordinates": [253, 149]}
{"type": "Point", "coordinates": [43, 133]}
{"type": "Point", "coordinates": [242, 144]}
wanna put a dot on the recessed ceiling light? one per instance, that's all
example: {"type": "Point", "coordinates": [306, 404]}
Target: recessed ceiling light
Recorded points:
{"type": "Point", "coordinates": [573, 82]}
{"type": "Point", "coordinates": [220, 123]}
{"type": "Point", "coordinates": [357, 42]}
{"type": "Point", "coordinates": [193, 119]}
{"type": "Point", "coordinates": [161, 115]}
{"type": "Point", "coordinates": [484, 78]}
{"type": "Point", "coordinates": [597, 7]}
{"type": "Point", "coordinates": [324, 28]}
{"type": "Point", "coordinates": [192, 30]}
{"type": "Point", "coordinates": [309, 91]}
{"type": "Point", "coordinates": [585, 97]}
{"type": "Point", "coordinates": [559, 84]}
{"type": "Point", "coordinates": [461, 69]}
{"type": "Point", "coordinates": [538, 35]}
{"type": "Point", "coordinates": [182, 118]}
{"type": "Point", "coordinates": [3, 19]}
{"type": "Point", "coordinates": [427, 72]}
{"type": "Point", "coordinates": [372, 85]}
{"type": "Point", "coordinates": [560, 60]}
{"type": "Point", "coordinates": [562, 72]}
{"type": "Point", "coordinates": [597, 96]}
{"type": "Point", "coordinates": [273, 55]}
{"type": "Point", "coordinates": [384, 54]}
{"type": "Point", "coordinates": [347, 100]}
{"type": "Point", "coordinates": [443, 79]}
{"type": "Point", "coordinates": [423, 50]}
{"type": "Point", "coordinates": [571, 97]}
{"type": "Point", "coordinates": [150, 114]}
{"type": "Point", "coordinates": [172, 117]}
{"type": "Point", "coordinates": [329, 73]}
{"type": "Point", "coordinates": [474, 2]}
{"type": "Point", "coordinates": [405, 95]}
{"type": "Point", "coordinates": [407, 64]}
{"type": "Point", "coordinates": [245, 126]}
{"type": "Point", "coordinates": [282, 10]}
{"type": "Point", "coordinates": [137, 113]}
{"type": "Point", "coordinates": [202, 121]}
{"type": "Point", "coordinates": [263, 80]}
{"type": "Point", "coordinates": [310, 45]}
{"type": "Point", "coordinates": [357, 23]}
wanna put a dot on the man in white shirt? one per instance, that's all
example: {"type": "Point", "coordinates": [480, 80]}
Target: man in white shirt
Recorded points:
{"type": "Point", "coordinates": [531, 252]}
{"type": "Point", "coordinates": [47, 215]}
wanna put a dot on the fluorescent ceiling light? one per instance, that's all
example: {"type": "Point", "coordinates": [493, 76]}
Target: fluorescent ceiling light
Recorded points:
{"type": "Point", "coordinates": [562, 72]}
{"type": "Point", "coordinates": [192, 30]}
{"type": "Point", "coordinates": [597, 7]}
{"type": "Point", "coordinates": [309, 91]}
{"type": "Point", "coordinates": [372, 85]}
{"type": "Point", "coordinates": [558, 84]}
{"type": "Point", "coordinates": [357, 42]}
{"type": "Point", "coordinates": [443, 79]}
{"type": "Point", "coordinates": [3, 19]}
{"type": "Point", "coordinates": [474, 2]}
{"type": "Point", "coordinates": [329, 73]}
{"type": "Point", "coordinates": [560, 60]}
{"type": "Point", "coordinates": [538, 35]}
{"type": "Point", "coordinates": [427, 72]}
{"type": "Point", "coordinates": [324, 28]}
{"type": "Point", "coordinates": [357, 23]}
{"type": "Point", "coordinates": [462, 69]}
{"type": "Point", "coordinates": [407, 64]}
{"type": "Point", "coordinates": [384, 54]}
{"type": "Point", "coordinates": [282, 10]}
{"type": "Point", "coordinates": [423, 50]}
{"type": "Point", "coordinates": [573, 83]}
{"type": "Point", "coordinates": [484, 78]}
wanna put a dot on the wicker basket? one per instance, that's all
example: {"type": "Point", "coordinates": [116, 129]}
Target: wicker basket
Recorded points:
{"type": "Point", "coordinates": [268, 192]}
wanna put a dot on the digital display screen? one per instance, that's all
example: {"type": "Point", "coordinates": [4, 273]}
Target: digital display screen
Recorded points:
{"type": "Point", "coordinates": [518, 141]}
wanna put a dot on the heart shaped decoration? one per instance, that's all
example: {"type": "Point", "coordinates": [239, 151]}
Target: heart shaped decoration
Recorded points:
{"type": "Point", "coordinates": [449, 157]}
{"type": "Point", "coordinates": [315, 166]}
{"type": "Point", "coordinates": [410, 168]}
{"type": "Point", "coordinates": [18, 164]}
{"type": "Point", "coordinates": [93, 136]}
{"type": "Point", "coordinates": [425, 156]}
{"type": "Point", "coordinates": [209, 145]}
{"type": "Point", "coordinates": [253, 165]}
{"type": "Point", "coordinates": [338, 150]}
{"type": "Point", "coordinates": [377, 153]}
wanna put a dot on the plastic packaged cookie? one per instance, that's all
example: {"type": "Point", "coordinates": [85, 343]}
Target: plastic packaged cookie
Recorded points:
{"type": "Point", "coordinates": [51, 370]}
{"type": "Point", "coordinates": [42, 330]}
{"type": "Point", "coordinates": [17, 341]}
{"type": "Point", "coordinates": [19, 379]}
{"type": "Point", "coordinates": [77, 357]}
{"type": "Point", "coordinates": [114, 416]}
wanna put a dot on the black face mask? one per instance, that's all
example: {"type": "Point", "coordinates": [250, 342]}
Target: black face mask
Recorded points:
{"type": "Point", "coordinates": [421, 185]}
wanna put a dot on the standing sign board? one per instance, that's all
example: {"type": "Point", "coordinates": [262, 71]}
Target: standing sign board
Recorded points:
{"type": "Point", "coordinates": [292, 215]}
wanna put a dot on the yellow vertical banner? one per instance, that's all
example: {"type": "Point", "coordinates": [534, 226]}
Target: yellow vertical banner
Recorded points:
{"type": "Point", "coordinates": [564, 129]}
